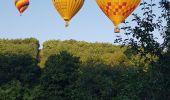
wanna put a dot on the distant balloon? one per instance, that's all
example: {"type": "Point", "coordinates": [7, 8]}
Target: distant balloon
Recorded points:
{"type": "Point", "coordinates": [21, 5]}
{"type": "Point", "coordinates": [68, 8]}
{"type": "Point", "coordinates": [117, 10]}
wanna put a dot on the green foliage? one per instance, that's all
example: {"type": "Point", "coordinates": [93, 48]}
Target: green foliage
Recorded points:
{"type": "Point", "coordinates": [65, 77]}
{"type": "Point", "coordinates": [18, 60]}
{"type": "Point", "coordinates": [103, 82]}
{"type": "Point", "coordinates": [11, 91]}
{"type": "Point", "coordinates": [22, 47]}
{"type": "Point", "coordinates": [18, 67]}
{"type": "Point", "coordinates": [59, 76]}
{"type": "Point", "coordinates": [159, 78]}
{"type": "Point", "coordinates": [96, 52]}
{"type": "Point", "coordinates": [96, 83]}
{"type": "Point", "coordinates": [19, 72]}
{"type": "Point", "coordinates": [14, 90]}
{"type": "Point", "coordinates": [86, 51]}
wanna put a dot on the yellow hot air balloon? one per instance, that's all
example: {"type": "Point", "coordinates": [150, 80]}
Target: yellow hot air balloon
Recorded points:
{"type": "Point", "coordinates": [117, 10]}
{"type": "Point", "coordinates": [68, 8]}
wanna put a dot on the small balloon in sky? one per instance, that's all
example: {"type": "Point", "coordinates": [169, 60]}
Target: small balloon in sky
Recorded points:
{"type": "Point", "coordinates": [68, 8]}
{"type": "Point", "coordinates": [21, 5]}
{"type": "Point", "coordinates": [117, 10]}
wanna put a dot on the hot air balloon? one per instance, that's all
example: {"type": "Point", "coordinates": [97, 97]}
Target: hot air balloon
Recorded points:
{"type": "Point", "coordinates": [117, 10]}
{"type": "Point", "coordinates": [68, 8]}
{"type": "Point", "coordinates": [21, 5]}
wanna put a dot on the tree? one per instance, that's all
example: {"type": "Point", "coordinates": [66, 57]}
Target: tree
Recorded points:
{"type": "Point", "coordinates": [143, 42]}
{"type": "Point", "coordinates": [58, 78]}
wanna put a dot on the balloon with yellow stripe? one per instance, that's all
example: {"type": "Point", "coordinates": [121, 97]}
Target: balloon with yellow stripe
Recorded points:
{"type": "Point", "coordinates": [117, 10]}
{"type": "Point", "coordinates": [21, 5]}
{"type": "Point", "coordinates": [68, 8]}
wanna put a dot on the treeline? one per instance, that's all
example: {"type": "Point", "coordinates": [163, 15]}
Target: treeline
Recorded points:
{"type": "Point", "coordinates": [89, 52]}
{"type": "Point", "coordinates": [72, 70]}
{"type": "Point", "coordinates": [20, 47]}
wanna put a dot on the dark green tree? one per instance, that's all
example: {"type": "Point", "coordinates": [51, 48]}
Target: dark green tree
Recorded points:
{"type": "Point", "coordinates": [143, 42]}
{"type": "Point", "coordinates": [96, 83]}
{"type": "Point", "coordinates": [59, 76]}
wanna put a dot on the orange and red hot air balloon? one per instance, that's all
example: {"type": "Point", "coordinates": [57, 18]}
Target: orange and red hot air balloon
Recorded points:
{"type": "Point", "coordinates": [21, 5]}
{"type": "Point", "coordinates": [117, 10]}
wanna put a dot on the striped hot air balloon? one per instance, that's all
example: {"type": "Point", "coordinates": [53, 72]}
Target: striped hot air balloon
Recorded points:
{"type": "Point", "coordinates": [118, 10]}
{"type": "Point", "coordinates": [68, 8]}
{"type": "Point", "coordinates": [21, 5]}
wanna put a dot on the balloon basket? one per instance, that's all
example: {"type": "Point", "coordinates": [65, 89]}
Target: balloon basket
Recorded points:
{"type": "Point", "coordinates": [66, 24]}
{"type": "Point", "coordinates": [117, 30]}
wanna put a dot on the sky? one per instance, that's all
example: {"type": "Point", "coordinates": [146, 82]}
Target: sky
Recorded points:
{"type": "Point", "coordinates": [42, 21]}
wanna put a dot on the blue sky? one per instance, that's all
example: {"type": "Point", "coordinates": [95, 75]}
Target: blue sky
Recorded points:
{"type": "Point", "coordinates": [42, 21]}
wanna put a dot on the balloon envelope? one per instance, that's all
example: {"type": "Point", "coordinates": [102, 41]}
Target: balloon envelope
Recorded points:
{"type": "Point", "coordinates": [118, 10]}
{"type": "Point", "coordinates": [68, 8]}
{"type": "Point", "coordinates": [21, 5]}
